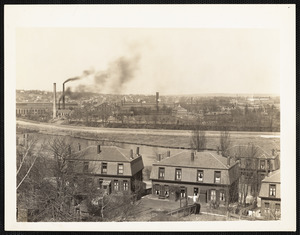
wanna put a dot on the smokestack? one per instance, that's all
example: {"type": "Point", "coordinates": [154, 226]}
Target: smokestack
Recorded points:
{"type": "Point", "coordinates": [79, 147]}
{"type": "Point", "coordinates": [168, 153]}
{"type": "Point", "coordinates": [98, 148]}
{"type": "Point", "coordinates": [218, 150]}
{"type": "Point", "coordinates": [54, 100]}
{"type": "Point", "coordinates": [157, 97]}
{"type": "Point", "coordinates": [228, 161]}
{"type": "Point", "coordinates": [158, 157]}
{"type": "Point", "coordinates": [192, 156]}
{"type": "Point", "coordinates": [63, 97]}
{"type": "Point", "coordinates": [138, 151]}
{"type": "Point", "coordinates": [273, 152]}
{"type": "Point", "coordinates": [131, 154]}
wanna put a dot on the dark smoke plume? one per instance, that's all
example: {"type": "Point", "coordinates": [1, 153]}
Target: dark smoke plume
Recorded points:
{"type": "Point", "coordinates": [117, 74]}
{"type": "Point", "coordinates": [84, 74]}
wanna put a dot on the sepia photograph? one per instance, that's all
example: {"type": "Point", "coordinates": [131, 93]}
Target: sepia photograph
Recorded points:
{"type": "Point", "coordinates": [117, 123]}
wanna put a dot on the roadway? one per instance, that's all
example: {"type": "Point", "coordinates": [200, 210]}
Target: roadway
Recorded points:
{"type": "Point", "coordinates": [53, 127]}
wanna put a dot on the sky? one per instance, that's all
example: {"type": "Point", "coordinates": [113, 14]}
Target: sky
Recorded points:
{"type": "Point", "coordinates": [143, 61]}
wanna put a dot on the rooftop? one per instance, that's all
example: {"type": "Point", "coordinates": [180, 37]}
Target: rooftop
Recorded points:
{"type": "Point", "coordinates": [108, 153]}
{"type": "Point", "coordinates": [205, 159]}
{"type": "Point", "coordinates": [274, 177]}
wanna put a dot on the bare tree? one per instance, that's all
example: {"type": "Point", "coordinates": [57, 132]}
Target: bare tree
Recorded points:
{"type": "Point", "coordinates": [225, 142]}
{"type": "Point", "coordinates": [249, 181]}
{"type": "Point", "coordinates": [198, 138]}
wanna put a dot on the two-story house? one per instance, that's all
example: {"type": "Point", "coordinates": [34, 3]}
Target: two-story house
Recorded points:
{"type": "Point", "coordinates": [111, 168]}
{"type": "Point", "coordinates": [206, 175]}
{"type": "Point", "coordinates": [270, 196]}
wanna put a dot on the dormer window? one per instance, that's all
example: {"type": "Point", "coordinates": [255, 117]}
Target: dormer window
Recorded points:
{"type": "Point", "coordinates": [120, 169]}
{"type": "Point", "coordinates": [262, 164]}
{"type": "Point", "coordinates": [272, 190]}
{"type": "Point", "coordinates": [161, 173]}
{"type": "Point", "coordinates": [217, 177]}
{"type": "Point", "coordinates": [200, 175]}
{"type": "Point", "coordinates": [85, 167]}
{"type": "Point", "coordinates": [178, 174]}
{"type": "Point", "coordinates": [104, 168]}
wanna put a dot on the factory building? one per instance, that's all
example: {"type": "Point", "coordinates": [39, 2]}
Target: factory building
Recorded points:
{"type": "Point", "coordinates": [26, 109]}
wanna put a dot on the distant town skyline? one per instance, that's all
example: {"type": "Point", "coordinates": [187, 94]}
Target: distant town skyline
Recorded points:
{"type": "Point", "coordinates": [143, 61]}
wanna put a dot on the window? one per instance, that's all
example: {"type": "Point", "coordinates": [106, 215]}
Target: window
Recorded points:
{"type": "Point", "coordinates": [104, 168]}
{"type": "Point", "coordinates": [182, 192]}
{"type": "Point", "coordinates": [156, 188]}
{"type": "Point", "coordinates": [116, 185]}
{"type": "Point", "coordinates": [125, 185]}
{"type": "Point", "coordinates": [161, 173]}
{"type": "Point", "coordinates": [196, 191]}
{"type": "Point", "coordinates": [272, 190]}
{"type": "Point", "coordinates": [217, 177]}
{"type": "Point", "coordinates": [277, 209]}
{"type": "Point", "coordinates": [100, 183]}
{"type": "Point", "coordinates": [213, 196]}
{"type": "Point", "coordinates": [85, 167]}
{"type": "Point", "coordinates": [166, 190]}
{"type": "Point", "coordinates": [222, 196]}
{"type": "Point", "coordinates": [267, 207]}
{"type": "Point", "coordinates": [262, 164]}
{"type": "Point", "coordinates": [268, 165]}
{"type": "Point", "coordinates": [178, 174]}
{"type": "Point", "coordinates": [200, 176]}
{"type": "Point", "coordinates": [120, 169]}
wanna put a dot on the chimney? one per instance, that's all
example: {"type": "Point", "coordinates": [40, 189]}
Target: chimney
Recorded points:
{"type": "Point", "coordinates": [63, 97]}
{"type": "Point", "coordinates": [157, 97]}
{"type": "Point", "coordinates": [192, 156]}
{"type": "Point", "coordinates": [158, 157]}
{"type": "Point", "coordinates": [168, 153]}
{"type": "Point", "coordinates": [228, 161]}
{"type": "Point", "coordinates": [98, 148]}
{"type": "Point", "coordinates": [54, 100]}
{"type": "Point", "coordinates": [138, 151]}
{"type": "Point", "coordinates": [79, 147]}
{"type": "Point", "coordinates": [273, 152]}
{"type": "Point", "coordinates": [131, 154]}
{"type": "Point", "coordinates": [218, 150]}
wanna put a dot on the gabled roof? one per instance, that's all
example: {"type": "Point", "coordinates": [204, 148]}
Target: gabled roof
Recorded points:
{"type": "Point", "coordinates": [274, 177]}
{"type": "Point", "coordinates": [108, 153]}
{"type": "Point", "coordinates": [205, 159]}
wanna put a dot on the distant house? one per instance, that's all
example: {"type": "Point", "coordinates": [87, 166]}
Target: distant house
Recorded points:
{"type": "Point", "coordinates": [270, 196]}
{"type": "Point", "coordinates": [206, 175]}
{"type": "Point", "coordinates": [179, 111]}
{"type": "Point", "coordinates": [111, 168]}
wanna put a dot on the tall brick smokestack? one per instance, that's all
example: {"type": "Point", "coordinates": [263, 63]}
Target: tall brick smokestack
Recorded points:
{"type": "Point", "coordinates": [63, 97]}
{"type": "Point", "coordinates": [157, 98]}
{"type": "Point", "coordinates": [54, 100]}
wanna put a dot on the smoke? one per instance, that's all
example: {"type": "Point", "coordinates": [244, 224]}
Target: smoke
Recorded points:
{"type": "Point", "coordinates": [112, 80]}
{"type": "Point", "coordinates": [85, 73]}
{"type": "Point", "coordinates": [118, 73]}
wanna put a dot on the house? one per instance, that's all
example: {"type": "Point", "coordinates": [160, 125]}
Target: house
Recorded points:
{"type": "Point", "coordinates": [206, 175]}
{"type": "Point", "coordinates": [179, 111]}
{"type": "Point", "coordinates": [270, 196]}
{"type": "Point", "coordinates": [111, 168]}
